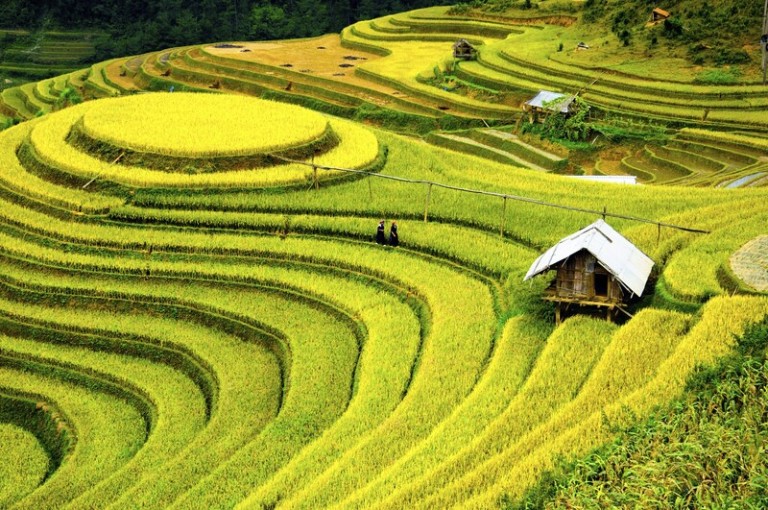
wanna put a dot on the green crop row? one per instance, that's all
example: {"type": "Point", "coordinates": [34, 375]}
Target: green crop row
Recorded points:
{"type": "Point", "coordinates": [109, 430]}
{"type": "Point", "coordinates": [452, 26]}
{"type": "Point", "coordinates": [723, 155]}
{"type": "Point", "coordinates": [365, 30]}
{"type": "Point", "coordinates": [178, 404]}
{"type": "Point", "coordinates": [154, 271]}
{"type": "Point", "coordinates": [515, 353]}
{"type": "Point", "coordinates": [617, 373]}
{"type": "Point", "coordinates": [577, 344]}
{"type": "Point", "coordinates": [692, 273]}
{"type": "Point", "coordinates": [24, 466]}
{"type": "Point", "coordinates": [466, 145]}
{"type": "Point", "coordinates": [634, 87]}
{"type": "Point", "coordinates": [723, 318]}
{"type": "Point", "coordinates": [519, 149]}
{"type": "Point", "coordinates": [302, 368]}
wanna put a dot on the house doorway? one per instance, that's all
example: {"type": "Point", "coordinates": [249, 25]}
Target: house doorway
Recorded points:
{"type": "Point", "coordinates": [601, 285]}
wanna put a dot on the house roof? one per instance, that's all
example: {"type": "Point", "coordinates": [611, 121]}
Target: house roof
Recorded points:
{"type": "Point", "coordinates": [661, 12]}
{"type": "Point", "coordinates": [551, 98]}
{"type": "Point", "coordinates": [462, 43]}
{"type": "Point", "coordinates": [612, 250]}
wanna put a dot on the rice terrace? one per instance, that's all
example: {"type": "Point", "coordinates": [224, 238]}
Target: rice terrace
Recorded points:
{"type": "Point", "coordinates": [195, 311]}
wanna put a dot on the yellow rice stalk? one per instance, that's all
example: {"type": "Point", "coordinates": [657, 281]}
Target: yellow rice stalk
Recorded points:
{"type": "Point", "coordinates": [201, 125]}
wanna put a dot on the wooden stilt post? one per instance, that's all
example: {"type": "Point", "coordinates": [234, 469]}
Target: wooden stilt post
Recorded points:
{"type": "Point", "coordinates": [370, 190]}
{"type": "Point", "coordinates": [558, 314]}
{"type": "Point", "coordinates": [426, 203]}
{"type": "Point", "coordinates": [314, 173]}
{"type": "Point", "coordinates": [503, 215]}
{"type": "Point", "coordinates": [658, 234]}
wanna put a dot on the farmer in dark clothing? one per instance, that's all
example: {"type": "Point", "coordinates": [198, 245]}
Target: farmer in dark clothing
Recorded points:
{"type": "Point", "coordinates": [393, 239]}
{"type": "Point", "coordinates": [380, 238]}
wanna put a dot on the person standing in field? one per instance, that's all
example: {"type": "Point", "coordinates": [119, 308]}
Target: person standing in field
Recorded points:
{"type": "Point", "coordinates": [380, 238]}
{"type": "Point", "coordinates": [394, 240]}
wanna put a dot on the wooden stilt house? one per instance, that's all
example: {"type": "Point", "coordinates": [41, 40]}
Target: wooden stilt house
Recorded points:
{"type": "Point", "coordinates": [596, 267]}
{"type": "Point", "coordinates": [463, 50]}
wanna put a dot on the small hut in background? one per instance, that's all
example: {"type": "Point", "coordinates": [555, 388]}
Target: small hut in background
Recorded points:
{"type": "Point", "coordinates": [546, 103]}
{"type": "Point", "coordinates": [463, 50]}
{"type": "Point", "coordinates": [658, 16]}
{"type": "Point", "coordinates": [596, 267]}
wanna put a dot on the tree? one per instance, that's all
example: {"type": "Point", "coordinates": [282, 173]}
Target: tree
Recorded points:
{"type": "Point", "coordinates": [269, 21]}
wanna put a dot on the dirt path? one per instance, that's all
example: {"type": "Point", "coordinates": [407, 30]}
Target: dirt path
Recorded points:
{"type": "Point", "coordinates": [750, 263]}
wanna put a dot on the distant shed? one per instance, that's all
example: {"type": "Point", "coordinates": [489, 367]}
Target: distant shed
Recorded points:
{"type": "Point", "coordinates": [597, 267]}
{"type": "Point", "coordinates": [463, 50]}
{"type": "Point", "coordinates": [658, 15]}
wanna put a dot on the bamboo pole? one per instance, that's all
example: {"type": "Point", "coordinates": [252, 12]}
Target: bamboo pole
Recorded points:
{"type": "Point", "coordinates": [503, 215]}
{"type": "Point", "coordinates": [426, 203]}
{"type": "Point", "coordinates": [517, 198]}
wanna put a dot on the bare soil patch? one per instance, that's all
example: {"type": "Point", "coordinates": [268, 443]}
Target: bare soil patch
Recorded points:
{"type": "Point", "coordinates": [320, 56]}
{"type": "Point", "coordinates": [117, 75]}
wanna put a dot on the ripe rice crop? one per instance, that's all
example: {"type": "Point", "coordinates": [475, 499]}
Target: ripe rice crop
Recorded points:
{"type": "Point", "coordinates": [358, 148]}
{"type": "Point", "coordinates": [200, 125]}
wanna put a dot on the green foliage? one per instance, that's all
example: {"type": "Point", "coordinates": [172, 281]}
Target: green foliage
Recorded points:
{"type": "Point", "coordinates": [68, 97]}
{"type": "Point", "coordinates": [594, 10]}
{"type": "Point", "coordinates": [699, 452]}
{"type": "Point", "coordinates": [618, 130]}
{"type": "Point", "coordinates": [719, 76]}
{"type": "Point", "coordinates": [673, 27]}
{"type": "Point", "coordinates": [573, 128]}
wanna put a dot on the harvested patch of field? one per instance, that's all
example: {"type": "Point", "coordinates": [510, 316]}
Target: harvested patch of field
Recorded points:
{"type": "Point", "coordinates": [321, 56]}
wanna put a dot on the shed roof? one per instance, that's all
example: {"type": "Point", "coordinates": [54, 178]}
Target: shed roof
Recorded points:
{"type": "Point", "coordinates": [462, 43]}
{"type": "Point", "coordinates": [612, 250]}
{"type": "Point", "coordinates": [661, 12]}
{"type": "Point", "coordinates": [551, 98]}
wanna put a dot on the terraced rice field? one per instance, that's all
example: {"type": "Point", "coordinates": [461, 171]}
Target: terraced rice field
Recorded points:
{"type": "Point", "coordinates": [246, 343]}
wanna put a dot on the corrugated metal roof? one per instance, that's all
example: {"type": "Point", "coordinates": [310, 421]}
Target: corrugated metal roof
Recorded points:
{"type": "Point", "coordinates": [612, 250]}
{"type": "Point", "coordinates": [545, 96]}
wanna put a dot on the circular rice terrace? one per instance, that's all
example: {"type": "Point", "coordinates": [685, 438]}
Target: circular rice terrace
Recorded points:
{"type": "Point", "coordinates": [195, 140]}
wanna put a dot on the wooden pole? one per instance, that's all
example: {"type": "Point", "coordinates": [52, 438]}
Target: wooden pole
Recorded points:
{"type": "Point", "coordinates": [503, 216]}
{"type": "Point", "coordinates": [426, 203]}
{"type": "Point", "coordinates": [764, 44]}
{"type": "Point", "coordinates": [314, 172]}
